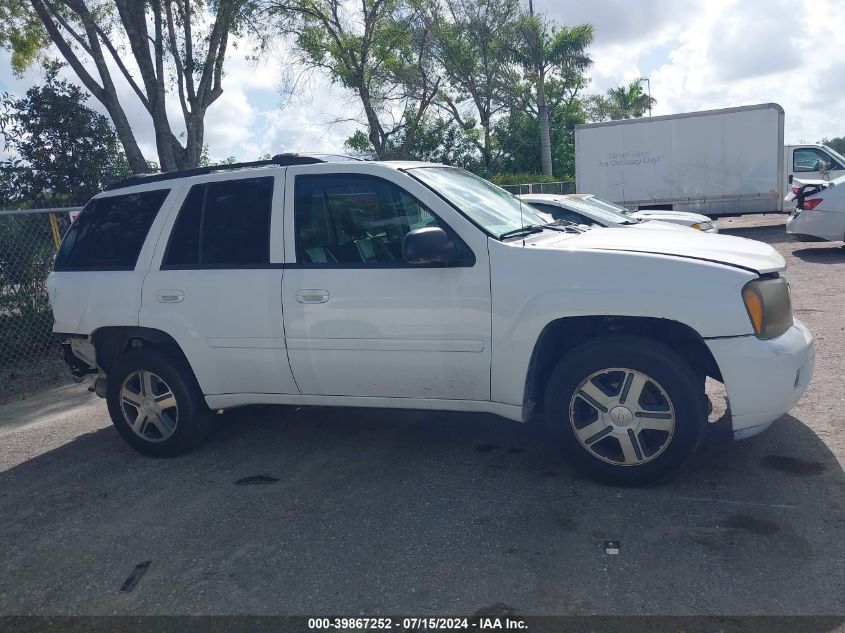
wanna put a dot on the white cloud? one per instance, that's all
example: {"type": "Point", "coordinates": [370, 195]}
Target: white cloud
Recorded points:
{"type": "Point", "coordinates": [736, 53]}
{"type": "Point", "coordinates": [228, 122]}
{"type": "Point", "coordinates": [745, 43]}
{"type": "Point", "coordinates": [269, 106]}
{"type": "Point", "coordinates": [723, 53]}
{"type": "Point", "coordinates": [621, 21]}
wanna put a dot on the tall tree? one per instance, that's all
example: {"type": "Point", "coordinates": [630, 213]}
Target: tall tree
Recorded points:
{"type": "Point", "coordinates": [181, 43]}
{"type": "Point", "coordinates": [377, 49]}
{"type": "Point", "coordinates": [437, 139]}
{"type": "Point", "coordinates": [475, 44]}
{"type": "Point", "coordinates": [519, 130]}
{"type": "Point", "coordinates": [62, 151]}
{"type": "Point", "coordinates": [837, 144]}
{"type": "Point", "coordinates": [629, 101]}
{"type": "Point", "coordinates": [546, 49]}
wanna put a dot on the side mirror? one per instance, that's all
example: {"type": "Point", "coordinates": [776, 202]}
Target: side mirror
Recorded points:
{"type": "Point", "coordinates": [825, 170]}
{"type": "Point", "coordinates": [429, 245]}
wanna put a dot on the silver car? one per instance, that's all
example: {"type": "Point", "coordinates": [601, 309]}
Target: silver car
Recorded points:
{"type": "Point", "coordinates": [585, 208]}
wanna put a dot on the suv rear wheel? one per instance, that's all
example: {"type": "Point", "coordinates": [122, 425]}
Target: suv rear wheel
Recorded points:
{"type": "Point", "coordinates": [155, 404]}
{"type": "Point", "coordinates": [626, 410]}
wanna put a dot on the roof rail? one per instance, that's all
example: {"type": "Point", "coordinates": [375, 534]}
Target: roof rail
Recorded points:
{"type": "Point", "coordinates": [279, 160]}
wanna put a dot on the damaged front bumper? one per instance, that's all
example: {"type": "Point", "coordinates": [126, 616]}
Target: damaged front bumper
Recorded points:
{"type": "Point", "coordinates": [764, 378]}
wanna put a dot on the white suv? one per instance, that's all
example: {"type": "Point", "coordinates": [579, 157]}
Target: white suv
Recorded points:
{"type": "Point", "coordinates": [420, 286]}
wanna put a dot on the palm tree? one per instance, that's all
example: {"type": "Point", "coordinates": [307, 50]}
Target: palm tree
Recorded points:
{"type": "Point", "coordinates": [547, 49]}
{"type": "Point", "coordinates": [629, 102]}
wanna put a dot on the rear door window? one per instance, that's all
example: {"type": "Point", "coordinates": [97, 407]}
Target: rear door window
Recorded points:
{"type": "Point", "coordinates": [223, 224]}
{"type": "Point", "coordinates": [109, 232]}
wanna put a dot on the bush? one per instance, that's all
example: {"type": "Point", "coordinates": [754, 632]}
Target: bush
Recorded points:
{"type": "Point", "coordinates": [507, 178]}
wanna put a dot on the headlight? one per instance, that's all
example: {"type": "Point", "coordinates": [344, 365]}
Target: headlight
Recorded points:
{"type": "Point", "coordinates": [702, 226]}
{"type": "Point", "coordinates": [769, 306]}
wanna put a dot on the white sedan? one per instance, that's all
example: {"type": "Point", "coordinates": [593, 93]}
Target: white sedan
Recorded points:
{"type": "Point", "coordinates": [820, 210]}
{"type": "Point", "coordinates": [585, 208]}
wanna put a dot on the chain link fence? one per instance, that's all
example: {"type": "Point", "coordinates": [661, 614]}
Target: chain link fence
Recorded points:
{"type": "Point", "coordinates": [555, 188]}
{"type": "Point", "coordinates": [29, 355]}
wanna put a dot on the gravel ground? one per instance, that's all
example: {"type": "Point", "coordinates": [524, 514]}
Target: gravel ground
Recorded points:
{"type": "Point", "coordinates": [386, 512]}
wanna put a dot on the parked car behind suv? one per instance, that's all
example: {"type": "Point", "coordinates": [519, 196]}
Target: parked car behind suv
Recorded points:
{"type": "Point", "coordinates": [414, 285]}
{"type": "Point", "coordinates": [819, 213]}
{"type": "Point", "coordinates": [585, 208]}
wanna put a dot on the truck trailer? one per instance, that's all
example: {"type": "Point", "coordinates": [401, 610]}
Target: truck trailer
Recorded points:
{"type": "Point", "coordinates": [730, 161]}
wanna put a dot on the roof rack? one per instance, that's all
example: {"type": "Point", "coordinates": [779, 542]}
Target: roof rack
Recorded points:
{"type": "Point", "coordinates": [279, 160]}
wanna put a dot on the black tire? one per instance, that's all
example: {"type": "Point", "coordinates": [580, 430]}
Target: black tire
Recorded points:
{"type": "Point", "coordinates": [193, 422]}
{"type": "Point", "coordinates": [674, 378]}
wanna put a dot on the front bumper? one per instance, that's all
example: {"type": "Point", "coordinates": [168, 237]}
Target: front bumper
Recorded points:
{"type": "Point", "coordinates": [764, 379]}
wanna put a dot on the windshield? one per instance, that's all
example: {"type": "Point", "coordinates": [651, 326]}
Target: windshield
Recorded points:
{"type": "Point", "coordinates": [489, 206]}
{"type": "Point", "coordinates": [602, 211]}
{"type": "Point", "coordinates": [604, 204]}
{"type": "Point", "coordinates": [836, 155]}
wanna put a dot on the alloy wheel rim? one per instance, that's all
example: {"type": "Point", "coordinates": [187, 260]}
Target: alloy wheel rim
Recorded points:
{"type": "Point", "coordinates": [622, 416]}
{"type": "Point", "coordinates": [149, 406]}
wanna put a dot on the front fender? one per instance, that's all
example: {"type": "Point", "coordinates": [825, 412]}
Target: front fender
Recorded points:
{"type": "Point", "coordinates": [532, 287]}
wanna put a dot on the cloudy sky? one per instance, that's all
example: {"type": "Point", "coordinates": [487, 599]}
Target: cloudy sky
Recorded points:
{"type": "Point", "coordinates": [698, 54]}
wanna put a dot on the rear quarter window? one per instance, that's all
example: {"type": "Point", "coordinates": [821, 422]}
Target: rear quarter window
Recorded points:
{"type": "Point", "coordinates": [109, 232]}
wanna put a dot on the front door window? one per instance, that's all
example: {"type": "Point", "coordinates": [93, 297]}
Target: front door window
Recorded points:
{"type": "Point", "coordinates": [354, 219]}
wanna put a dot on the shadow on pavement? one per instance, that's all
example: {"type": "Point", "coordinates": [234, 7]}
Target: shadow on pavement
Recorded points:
{"type": "Point", "coordinates": [829, 254]}
{"type": "Point", "coordinates": [43, 408]}
{"type": "Point", "coordinates": [771, 234]}
{"type": "Point", "coordinates": [381, 511]}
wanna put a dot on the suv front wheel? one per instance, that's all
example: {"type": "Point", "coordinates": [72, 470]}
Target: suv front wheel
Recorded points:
{"type": "Point", "coordinates": [626, 410]}
{"type": "Point", "coordinates": [155, 404]}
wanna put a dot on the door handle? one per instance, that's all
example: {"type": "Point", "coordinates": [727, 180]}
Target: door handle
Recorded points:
{"type": "Point", "coordinates": [312, 296]}
{"type": "Point", "coordinates": [170, 296]}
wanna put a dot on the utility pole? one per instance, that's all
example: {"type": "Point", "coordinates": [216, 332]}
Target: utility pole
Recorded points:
{"type": "Point", "coordinates": [648, 89]}
{"type": "Point", "coordinates": [536, 43]}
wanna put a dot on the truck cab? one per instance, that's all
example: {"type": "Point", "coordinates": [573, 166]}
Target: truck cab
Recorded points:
{"type": "Point", "coordinates": [811, 162]}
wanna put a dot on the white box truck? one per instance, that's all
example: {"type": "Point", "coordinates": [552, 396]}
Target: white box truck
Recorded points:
{"type": "Point", "coordinates": [716, 162]}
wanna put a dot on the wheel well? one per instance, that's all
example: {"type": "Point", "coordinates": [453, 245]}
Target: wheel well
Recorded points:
{"type": "Point", "coordinates": [113, 342]}
{"type": "Point", "coordinates": [559, 337]}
